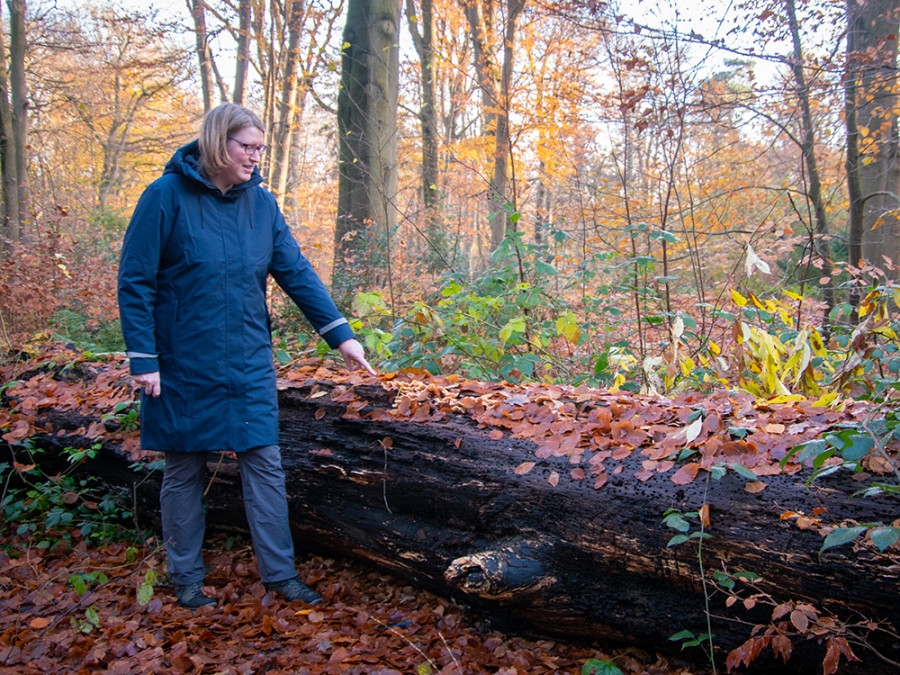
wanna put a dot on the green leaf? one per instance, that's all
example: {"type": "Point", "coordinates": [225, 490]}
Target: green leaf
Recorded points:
{"type": "Point", "coordinates": [859, 446]}
{"type": "Point", "coordinates": [883, 537]}
{"type": "Point", "coordinates": [682, 635]}
{"type": "Point", "coordinates": [841, 536]}
{"type": "Point", "coordinates": [677, 539]}
{"type": "Point", "coordinates": [145, 594]}
{"type": "Point", "coordinates": [283, 357]}
{"type": "Point", "coordinates": [545, 268]}
{"type": "Point", "coordinates": [742, 470]}
{"type": "Point", "coordinates": [597, 667]}
{"type": "Point", "coordinates": [677, 522]}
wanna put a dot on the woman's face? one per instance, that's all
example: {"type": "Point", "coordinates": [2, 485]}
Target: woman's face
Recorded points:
{"type": "Point", "coordinates": [242, 162]}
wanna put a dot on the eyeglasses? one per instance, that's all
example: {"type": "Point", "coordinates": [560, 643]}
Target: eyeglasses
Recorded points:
{"type": "Point", "coordinates": [248, 148]}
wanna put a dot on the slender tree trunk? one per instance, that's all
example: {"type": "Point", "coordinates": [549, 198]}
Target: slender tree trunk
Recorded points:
{"type": "Point", "coordinates": [19, 104]}
{"type": "Point", "coordinates": [8, 176]}
{"type": "Point", "coordinates": [284, 127]}
{"type": "Point", "coordinates": [367, 124]}
{"type": "Point", "coordinates": [242, 57]}
{"type": "Point", "coordinates": [204, 57]}
{"type": "Point", "coordinates": [852, 163]}
{"type": "Point", "coordinates": [499, 191]}
{"type": "Point", "coordinates": [875, 25]}
{"type": "Point", "coordinates": [424, 44]}
{"type": "Point", "coordinates": [808, 147]}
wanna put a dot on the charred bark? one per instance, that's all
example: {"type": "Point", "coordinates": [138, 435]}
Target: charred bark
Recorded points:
{"type": "Point", "coordinates": [439, 505]}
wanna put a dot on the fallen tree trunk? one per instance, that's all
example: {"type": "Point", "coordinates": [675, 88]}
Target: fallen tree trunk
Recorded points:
{"type": "Point", "coordinates": [439, 504]}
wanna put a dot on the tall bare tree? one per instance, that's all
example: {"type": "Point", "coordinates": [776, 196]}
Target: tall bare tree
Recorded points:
{"type": "Point", "coordinates": [8, 171]}
{"type": "Point", "coordinates": [287, 101]}
{"type": "Point", "coordinates": [495, 81]}
{"type": "Point", "coordinates": [423, 40]}
{"type": "Point", "coordinates": [18, 111]}
{"type": "Point", "coordinates": [242, 56]}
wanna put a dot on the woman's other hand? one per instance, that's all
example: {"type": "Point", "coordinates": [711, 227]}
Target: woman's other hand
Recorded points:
{"type": "Point", "coordinates": [354, 354]}
{"type": "Point", "coordinates": [149, 382]}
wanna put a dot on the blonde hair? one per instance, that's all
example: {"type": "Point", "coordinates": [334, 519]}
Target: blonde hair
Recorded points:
{"type": "Point", "coordinates": [218, 124]}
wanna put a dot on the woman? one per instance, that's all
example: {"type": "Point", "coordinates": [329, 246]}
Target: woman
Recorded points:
{"type": "Point", "coordinates": [192, 298]}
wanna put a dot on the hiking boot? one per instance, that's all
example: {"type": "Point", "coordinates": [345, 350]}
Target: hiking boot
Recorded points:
{"type": "Point", "coordinates": [191, 596]}
{"type": "Point", "coordinates": [294, 589]}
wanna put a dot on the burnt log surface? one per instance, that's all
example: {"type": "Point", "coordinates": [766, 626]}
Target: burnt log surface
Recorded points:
{"type": "Point", "coordinates": [439, 505]}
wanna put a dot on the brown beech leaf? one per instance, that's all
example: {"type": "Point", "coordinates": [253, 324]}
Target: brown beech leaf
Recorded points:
{"type": "Point", "coordinates": [577, 474]}
{"type": "Point", "coordinates": [495, 435]}
{"type": "Point", "coordinates": [39, 622]}
{"type": "Point", "coordinates": [686, 474]}
{"type": "Point", "coordinates": [524, 468]}
{"type": "Point", "coordinates": [800, 620]}
{"type": "Point", "coordinates": [755, 486]}
{"type": "Point", "coordinates": [320, 413]}
{"type": "Point", "coordinates": [553, 479]}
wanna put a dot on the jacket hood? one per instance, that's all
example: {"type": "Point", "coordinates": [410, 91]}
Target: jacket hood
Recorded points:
{"type": "Point", "coordinates": [186, 161]}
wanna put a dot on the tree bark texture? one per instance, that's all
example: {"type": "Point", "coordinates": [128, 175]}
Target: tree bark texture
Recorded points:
{"type": "Point", "coordinates": [204, 56]}
{"type": "Point", "coordinates": [242, 56]}
{"type": "Point", "coordinates": [819, 228]}
{"type": "Point", "coordinates": [873, 28]}
{"type": "Point", "coordinates": [19, 105]}
{"type": "Point", "coordinates": [8, 176]}
{"type": "Point", "coordinates": [440, 505]}
{"type": "Point", "coordinates": [367, 132]}
{"type": "Point", "coordinates": [286, 106]}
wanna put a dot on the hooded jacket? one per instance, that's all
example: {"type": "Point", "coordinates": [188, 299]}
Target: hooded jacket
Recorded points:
{"type": "Point", "coordinates": [192, 303]}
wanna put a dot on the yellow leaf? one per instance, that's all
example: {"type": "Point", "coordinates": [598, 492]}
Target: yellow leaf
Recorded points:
{"type": "Point", "coordinates": [738, 299]}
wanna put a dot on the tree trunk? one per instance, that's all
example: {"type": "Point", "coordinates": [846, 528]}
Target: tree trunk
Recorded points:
{"type": "Point", "coordinates": [286, 106]}
{"type": "Point", "coordinates": [8, 165]}
{"type": "Point", "coordinates": [204, 56]}
{"type": "Point", "coordinates": [852, 163]}
{"type": "Point", "coordinates": [242, 56]}
{"type": "Point", "coordinates": [822, 250]}
{"type": "Point", "coordinates": [367, 132]}
{"type": "Point", "coordinates": [424, 44]}
{"type": "Point", "coordinates": [874, 26]}
{"type": "Point", "coordinates": [440, 505]}
{"type": "Point", "coordinates": [19, 105]}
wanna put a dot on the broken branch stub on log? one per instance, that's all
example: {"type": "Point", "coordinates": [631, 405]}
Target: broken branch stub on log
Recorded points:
{"type": "Point", "coordinates": [441, 505]}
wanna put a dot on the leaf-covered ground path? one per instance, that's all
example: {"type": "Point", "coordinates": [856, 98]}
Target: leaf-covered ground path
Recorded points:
{"type": "Point", "coordinates": [368, 623]}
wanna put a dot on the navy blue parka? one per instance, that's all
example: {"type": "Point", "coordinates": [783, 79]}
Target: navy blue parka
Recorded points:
{"type": "Point", "coordinates": [192, 302]}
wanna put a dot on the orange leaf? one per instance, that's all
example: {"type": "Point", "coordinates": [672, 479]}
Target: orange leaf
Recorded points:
{"type": "Point", "coordinates": [39, 622]}
{"type": "Point", "coordinates": [553, 479]}
{"type": "Point", "coordinates": [23, 468]}
{"type": "Point", "coordinates": [495, 435]}
{"type": "Point", "coordinates": [704, 515]}
{"type": "Point", "coordinates": [600, 481]}
{"type": "Point", "coordinates": [320, 413]}
{"type": "Point", "coordinates": [524, 468]}
{"type": "Point", "coordinates": [577, 474]}
{"type": "Point", "coordinates": [755, 486]}
{"type": "Point", "coordinates": [387, 443]}
{"type": "Point", "coordinates": [686, 474]}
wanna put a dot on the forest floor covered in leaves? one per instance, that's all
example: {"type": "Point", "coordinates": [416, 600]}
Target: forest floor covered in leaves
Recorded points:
{"type": "Point", "coordinates": [369, 622]}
